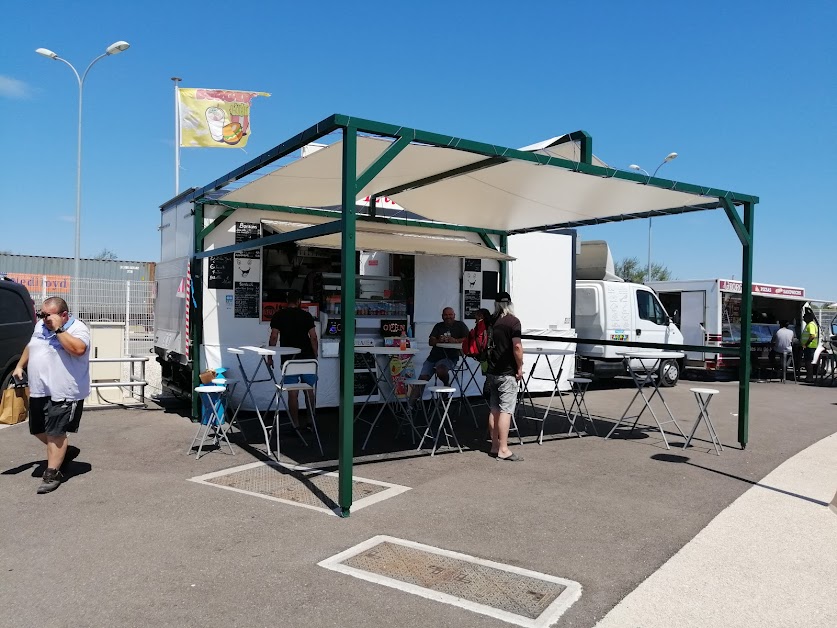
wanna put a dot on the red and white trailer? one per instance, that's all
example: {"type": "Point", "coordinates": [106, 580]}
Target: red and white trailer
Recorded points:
{"type": "Point", "coordinates": [708, 313]}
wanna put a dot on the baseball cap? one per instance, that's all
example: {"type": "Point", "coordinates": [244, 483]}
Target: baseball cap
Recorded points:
{"type": "Point", "coordinates": [502, 296]}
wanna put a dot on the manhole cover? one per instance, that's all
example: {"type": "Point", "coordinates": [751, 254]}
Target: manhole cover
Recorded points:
{"type": "Point", "coordinates": [300, 486]}
{"type": "Point", "coordinates": [519, 596]}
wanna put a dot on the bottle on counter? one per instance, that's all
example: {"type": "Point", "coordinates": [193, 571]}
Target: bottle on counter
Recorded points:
{"type": "Point", "coordinates": [403, 341]}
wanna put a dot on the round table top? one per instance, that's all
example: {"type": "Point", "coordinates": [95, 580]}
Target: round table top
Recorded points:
{"type": "Point", "coordinates": [449, 345]}
{"type": "Point", "coordinates": [652, 355]}
{"type": "Point", "coordinates": [547, 351]}
{"type": "Point", "coordinates": [273, 350]}
{"type": "Point", "coordinates": [385, 350]}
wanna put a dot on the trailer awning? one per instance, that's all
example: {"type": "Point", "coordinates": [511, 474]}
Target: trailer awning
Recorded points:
{"type": "Point", "coordinates": [390, 238]}
{"type": "Point", "coordinates": [491, 193]}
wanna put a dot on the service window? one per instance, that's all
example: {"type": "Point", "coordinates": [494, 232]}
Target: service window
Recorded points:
{"type": "Point", "coordinates": [649, 308]}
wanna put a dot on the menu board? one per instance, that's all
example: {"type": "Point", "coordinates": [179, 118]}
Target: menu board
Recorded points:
{"type": "Point", "coordinates": [244, 232]}
{"type": "Point", "coordinates": [472, 303]}
{"type": "Point", "coordinates": [246, 299]}
{"type": "Point", "coordinates": [473, 265]}
{"type": "Point", "coordinates": [221, 272]}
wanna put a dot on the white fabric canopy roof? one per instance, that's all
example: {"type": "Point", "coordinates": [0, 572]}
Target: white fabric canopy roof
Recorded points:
{"type": "Point", "coordinates": [389, 238]}
{"type": "Point", "coordinates": [508, 196]}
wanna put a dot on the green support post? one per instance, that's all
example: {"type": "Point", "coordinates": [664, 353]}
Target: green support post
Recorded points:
{"type": "Point", "coordinates": [504, 266]}
{"type": "Point", "coordinates": [746, 325]}
{"type": "Point", "coordinates": [347, 335]}
{"type": "Point", "coordinates": [196, 316]}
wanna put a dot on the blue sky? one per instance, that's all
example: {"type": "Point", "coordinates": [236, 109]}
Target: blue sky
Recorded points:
{"type": "Point", "coordinates": [743, 91]}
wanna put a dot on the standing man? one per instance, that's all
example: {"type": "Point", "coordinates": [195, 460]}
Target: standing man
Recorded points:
{"type": "Point", "coordinates": [295, 327]}
{"type": "Point", "coordinates": [810, 341]}
{"type": "Point", "coordinates": [58, 358]}
{"type": "Point", "coordinates": [505, 370]}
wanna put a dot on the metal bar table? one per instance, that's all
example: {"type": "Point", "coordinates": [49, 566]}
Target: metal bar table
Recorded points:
{"type": "Point", "coordinates": [643, 375]}
{"type": "Point", "coordinates": [383, 375]}
{"type": "Point", "coordinates": [249, 380]}
{"type": "Point", "coordinates": [459, 370]}
{"type": "Point", "coordinates": [554, 378]}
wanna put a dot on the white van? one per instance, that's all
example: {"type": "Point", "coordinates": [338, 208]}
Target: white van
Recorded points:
{"type": "Point", "coordinates": [622, 311]}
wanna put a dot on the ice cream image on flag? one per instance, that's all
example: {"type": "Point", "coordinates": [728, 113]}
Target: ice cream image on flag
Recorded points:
{"type": "Point", "coordinates": [215, 118]}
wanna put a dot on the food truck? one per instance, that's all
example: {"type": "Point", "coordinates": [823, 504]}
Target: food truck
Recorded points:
{"type": "Point", "coordinates": [402, 286]}
{"type": "Point", "coordinates": [707, 312]}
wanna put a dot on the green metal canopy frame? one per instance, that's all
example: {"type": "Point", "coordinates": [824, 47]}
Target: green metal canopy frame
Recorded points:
{"type": "Point", "coordinates": [353, 182]}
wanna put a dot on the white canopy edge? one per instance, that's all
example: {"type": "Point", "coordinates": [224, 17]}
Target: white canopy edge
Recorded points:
{"type": "Point", "coordinates": [507, 196]}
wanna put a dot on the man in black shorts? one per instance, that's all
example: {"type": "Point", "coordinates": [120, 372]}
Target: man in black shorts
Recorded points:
{"type": "Point", "coordinates": [294, 327]}
{"type": "Point", "coordinates": [58, 360]}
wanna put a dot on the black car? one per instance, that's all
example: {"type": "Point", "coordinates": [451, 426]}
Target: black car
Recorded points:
{"type": "Point", "coordinates": [17, 321]}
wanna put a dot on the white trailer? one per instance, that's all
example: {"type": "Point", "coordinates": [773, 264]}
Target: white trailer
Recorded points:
{"type": "Point", "coordinates": [231, 297]}
{"type": "Point", "coordinates": [707, 311]}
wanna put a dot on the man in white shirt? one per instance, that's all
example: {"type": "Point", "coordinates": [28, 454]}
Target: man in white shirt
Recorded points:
{"type": "Point", "coordinates": [58, 360]}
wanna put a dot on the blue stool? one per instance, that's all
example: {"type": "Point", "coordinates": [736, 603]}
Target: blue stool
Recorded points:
{"type": "Point", "coordinates": [212, 400]}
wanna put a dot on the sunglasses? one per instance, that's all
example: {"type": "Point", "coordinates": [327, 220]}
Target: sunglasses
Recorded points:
{"type": "Point", "coordinates": [43, 315]}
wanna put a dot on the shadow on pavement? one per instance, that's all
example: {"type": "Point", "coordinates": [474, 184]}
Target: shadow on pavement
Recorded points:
{"type": "Point", "coordinates": [685, 460]}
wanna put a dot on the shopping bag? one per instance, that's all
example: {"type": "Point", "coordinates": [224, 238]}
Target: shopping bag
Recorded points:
{"type": "Point", "coordinates": [14, 405]}
{"type": "Point", "coordinates": [207, 376]}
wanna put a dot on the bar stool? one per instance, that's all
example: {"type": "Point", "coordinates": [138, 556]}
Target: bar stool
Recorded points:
{"type": "Point", "coordinates": [703, 396]}
{"type": "Point", "coordinates": [419, 383]}
{"type": "Point", "coordinates": [442, 398]}
{"type": "Point", "coordinates": [229, 388]}
{"type": "Point", "coordinates": [578, 386]}
{"type": "Point", "coordinates": [211, 399]}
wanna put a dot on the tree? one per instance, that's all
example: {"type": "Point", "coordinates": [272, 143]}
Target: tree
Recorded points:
{"type": "Point", "coordinates": [106, 254]}
{"type": "Point", "coordinates": [631, 270]}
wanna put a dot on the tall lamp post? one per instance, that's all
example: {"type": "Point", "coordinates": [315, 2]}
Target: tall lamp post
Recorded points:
{"type": "Point", "coordinates": [668, 158]}
{"type": "Point", "coordinates": [113, 49]}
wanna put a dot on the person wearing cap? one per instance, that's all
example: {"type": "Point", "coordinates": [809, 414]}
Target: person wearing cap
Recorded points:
{"type": "Point", "coordinates": [505, 370]}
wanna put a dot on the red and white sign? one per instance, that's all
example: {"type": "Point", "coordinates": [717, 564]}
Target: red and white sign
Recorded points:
{"type": "Point", "coordinates": [760, 288]}
{"type": "Point", "coordinates": [383, 202]}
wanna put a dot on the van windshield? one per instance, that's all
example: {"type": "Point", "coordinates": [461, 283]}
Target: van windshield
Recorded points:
{"type": "Point", "coordinates": [649, 308]}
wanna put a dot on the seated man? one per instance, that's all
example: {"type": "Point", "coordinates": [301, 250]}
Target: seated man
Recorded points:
{"type": "Point", "coordinates": [442, 361]}
{"type": "Point", "coordinates": [782, 341]}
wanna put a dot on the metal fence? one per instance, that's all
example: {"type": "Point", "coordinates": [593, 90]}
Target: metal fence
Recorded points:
{"type": "Point", "coordinates": [129, 303]}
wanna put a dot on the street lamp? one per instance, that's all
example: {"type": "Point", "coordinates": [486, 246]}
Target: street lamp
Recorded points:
{"type": "Point", "coordinates": [668, 158]}
{"type": "Point", "coordinates": [114, 49]}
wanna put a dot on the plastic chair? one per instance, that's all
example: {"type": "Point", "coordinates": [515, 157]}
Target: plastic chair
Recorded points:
{"type": "Point", "coordinates": [297, 368]}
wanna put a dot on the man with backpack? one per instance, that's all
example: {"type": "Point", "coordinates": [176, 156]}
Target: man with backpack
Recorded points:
{"type": "Point", "coordinates": [505, 371]}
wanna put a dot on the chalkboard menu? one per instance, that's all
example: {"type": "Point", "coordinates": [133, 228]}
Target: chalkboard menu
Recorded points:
{"type": "Point", "coordinates": [473, 265]}
{"type": "Point", "coordinates": [365, 384]}
{"type": "Point", "coordinates": [221, 272]}
{"type": "Point", "coordinates": [472, 303]}
{"type": "Point", "coordinates": [245, 231]}
{"type": "Point", "coordinates": [246, 299]}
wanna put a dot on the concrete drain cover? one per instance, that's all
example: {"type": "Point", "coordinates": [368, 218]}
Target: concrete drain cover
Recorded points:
{"type": "Point", "coordinates": [299, 486]}
{"type": "Point", "coordinates": [515, 595]}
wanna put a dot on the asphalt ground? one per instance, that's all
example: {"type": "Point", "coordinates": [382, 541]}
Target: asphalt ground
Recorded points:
{"type": "Point", "coordinates": [128, 541]}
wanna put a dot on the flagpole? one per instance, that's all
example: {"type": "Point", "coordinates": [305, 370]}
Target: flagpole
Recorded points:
{"type": "Point", "coordinates": [176, 135]}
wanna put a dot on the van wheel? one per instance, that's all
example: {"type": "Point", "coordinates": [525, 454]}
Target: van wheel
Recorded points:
{"type": "Point", "coordinates": [669, 373]}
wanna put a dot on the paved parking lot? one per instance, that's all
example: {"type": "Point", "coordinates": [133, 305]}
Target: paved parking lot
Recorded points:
{"type": "Point", "coordinates": [128, 540]}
